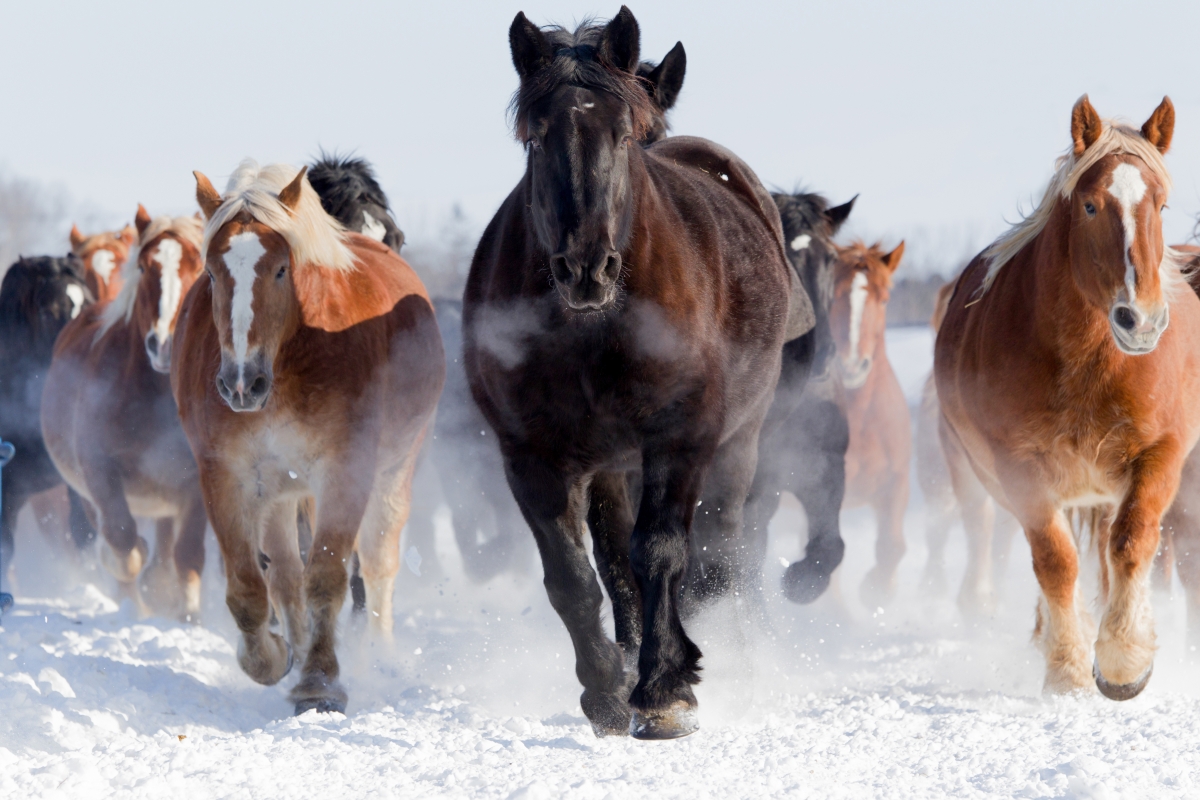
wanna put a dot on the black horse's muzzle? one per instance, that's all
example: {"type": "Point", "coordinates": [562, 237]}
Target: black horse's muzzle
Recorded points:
{"type": "Point", "coordinates": [587, 284]}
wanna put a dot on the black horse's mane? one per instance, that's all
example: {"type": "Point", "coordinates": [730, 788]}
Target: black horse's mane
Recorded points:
{"type": "Point", "coordinates": [576, 63]}
{"type": "Point", "coordinates": [801, 211]}
{"type": "Point", "coordinates": [342, 181]}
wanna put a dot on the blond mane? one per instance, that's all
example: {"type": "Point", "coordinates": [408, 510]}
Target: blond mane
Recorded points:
{"type": "Point", "coordinates": [315, 238]}
{"type": "Point", "coordinates": [1116, 138]}
{"type": "Point", "coordinates": [189, 229]}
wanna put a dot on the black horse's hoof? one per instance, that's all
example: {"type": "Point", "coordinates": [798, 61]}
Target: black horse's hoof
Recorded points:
{"type": "Point", "coordinates": [323, 705]}
{"type": "Point", "coordinates": [804, 582]}
{"type": "Point", "coordinates": [673, 722]}
{"type": "Point", "coordinates": [1120, 691]}
{"type": "Point", "coordinates": [608, 714]}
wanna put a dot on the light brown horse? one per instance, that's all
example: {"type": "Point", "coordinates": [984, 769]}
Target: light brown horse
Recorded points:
{"type": "Point", "coordinates": [309, 364]}
{"type": "Point", "coordinates": [1063, 386]}
{"type": "Point", "coordinates": [985, 567]}
{"type": "Point", "coordinates": [111, 426]}
{"type": "Point", "coordinates": [102, 255]}
{"type": "Point", "coordinates": [877, 461]}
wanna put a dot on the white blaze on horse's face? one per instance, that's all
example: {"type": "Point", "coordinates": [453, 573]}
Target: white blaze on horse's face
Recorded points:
{"type": "Point", "coordinates": [243, 255]}
{"type": "Point", "coordinates": [801, 242]}
{"type": "Point", "coordinates": [103, 262]}
{"type": "Point", "coordinates": [856, 374]}
{"type": "Point", "coordinates": [168, 256]}
{"type": "Point", "coordinates": [75, 295]}
{"type": "Point", "coordinates": [1136, 328]}
{"type": "Point", "coordinates": [373, 227]}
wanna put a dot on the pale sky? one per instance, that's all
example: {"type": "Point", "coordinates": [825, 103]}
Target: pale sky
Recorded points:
{"type": "Point", "coordinates": [945, 117]}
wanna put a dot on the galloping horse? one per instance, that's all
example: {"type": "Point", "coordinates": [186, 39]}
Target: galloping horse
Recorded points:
{"type": "Point", "coordinates": [877, 461]}
{"type": "Point", "coordinates": [625, 311]}
{"type": "Point", "coordinates": [111, 425]}
{"type": "Point", "coordinates": [309, 364]}
{"type": "Point", "coordinates": [102, 255]}
{"type": "Point", "coordinates": [38, 298]}
{"type": "Point", "coordinates": [802, 447]}
{"type": "Point", "coordinates": [1062, 386]}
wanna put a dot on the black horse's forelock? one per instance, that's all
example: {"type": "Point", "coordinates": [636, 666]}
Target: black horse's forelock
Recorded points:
{"type": "Point", "coordinates": [575, 63]}
{"type": "Point", "coordinates": [341, 181]}
{"type": "Point", "coordinates": [20, 316]}
{"type": "Point", "coordinates": [801, 210]}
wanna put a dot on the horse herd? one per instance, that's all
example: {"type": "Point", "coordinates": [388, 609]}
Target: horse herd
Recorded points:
{"type": "Point", "coordinates": [650, 348]}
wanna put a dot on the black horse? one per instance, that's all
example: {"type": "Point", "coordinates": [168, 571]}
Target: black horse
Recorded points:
{"type": "Point", "coordinates": [350, 193]}
{"type": "Point", "coordinates": [38, 297]}
{"type": "Point", "coordinates": [625, 311]}
{"type": "Point", "coordinates": [804, 439]}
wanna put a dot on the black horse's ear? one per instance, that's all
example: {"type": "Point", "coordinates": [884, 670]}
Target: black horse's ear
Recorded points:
{"type": "Point", "coordinates": [530, 51]}
{"type": "Point", "coordinates": [621, 42]}
{"type": "Point", "coordinates": [838, 214]}
{"type": "Point", "coordinates": [667, 77]}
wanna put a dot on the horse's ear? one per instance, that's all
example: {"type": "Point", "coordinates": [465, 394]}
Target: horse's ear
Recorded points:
{"type": "Point", "coordinates": [530, 50]}
{"type": "Point", "coordinates": [1086, 126]}
{"type": "Point", "coordinates": [892, 259]}
{"type": "Point", "coordinates": [77, 238]}
{"type": "Point", "coordinates": [1159, 129]}
{"type": "Point", "coordinates": [620, 44]}
{"type": "Point", "coordinates": [837, 215]}
{"type": "Point", "coordinates": [667, 77]}
{"type": "Point", "coordinates": [206, 196]}
{"type": "Point", "coordinates": [290, 194]}
{"type": "Point", "coordinates": [128, 235]}
{"type": "Point", "coordinates": [141, 219]}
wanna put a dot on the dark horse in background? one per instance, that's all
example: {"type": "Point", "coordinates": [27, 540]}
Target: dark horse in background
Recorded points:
{"type": "Point", "coordinates": [803, 445]}
{"type": "Point", "coordinates": [350, 194]}
{"type": "Point", "coordinates": [625, 311]}
{"type": "Point", "coordinates": [38, 297]}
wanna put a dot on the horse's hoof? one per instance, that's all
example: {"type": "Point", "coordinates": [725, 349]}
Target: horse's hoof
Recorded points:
{"type": "Point", "coordinates": [323, 705]}
{"type": "Point", "coordinates": [608, 713]}
{"type": "Point", "coordinates": [125, 568]}
{"type": "Point", "coordinates": [803, 583]}
{"type": "Point", "coordinates": [1120, 691]}
{"type": "Point", "coordinates": [673, 722]}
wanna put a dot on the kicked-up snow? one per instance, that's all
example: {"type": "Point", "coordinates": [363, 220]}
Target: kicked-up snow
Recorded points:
{"type": "Point", "coordinates": [477, 697]}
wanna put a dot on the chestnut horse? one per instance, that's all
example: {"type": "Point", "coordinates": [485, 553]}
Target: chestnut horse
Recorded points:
{"type": "Point", "coordinates": [308, 365]}
{"type": "Point", "coordinates": [102, 255]}
{"type": "Point", "coordinates": [1062, 386]}
{"type": "Point", "coordinates": [111, 426]}
{"type": "Point", "coordinates": [984, 567]}
{"type": "Point", "coordinates": [624, 315]}
{"type": "Point", "coordinates": [877, 460]}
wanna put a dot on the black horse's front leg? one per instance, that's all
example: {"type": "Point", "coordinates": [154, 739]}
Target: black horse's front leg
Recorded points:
{"type": "Point", "coordinates": [555, 506]}
{"type": "Point", "coordinates": [669, 662]}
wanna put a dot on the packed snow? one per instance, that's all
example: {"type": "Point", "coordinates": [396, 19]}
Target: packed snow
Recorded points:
{"type": "Point", "coordinates": [477, 696]}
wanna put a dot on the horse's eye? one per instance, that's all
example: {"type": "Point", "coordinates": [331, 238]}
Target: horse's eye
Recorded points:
{"type": "Point", "coordinates": [535, 143]}
{"type": "Point", "coordinates": [279, 275]}
{"type": "Point", "coordinates": [1090, 209]}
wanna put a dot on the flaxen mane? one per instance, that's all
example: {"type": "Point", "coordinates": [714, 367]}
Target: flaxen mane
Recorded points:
{"type": "Point", "coordinates": [314, 237]}
{"type": "Point", "coordinates": [189, 229]}
{"type": "Point", "coordinates": [1117, 138]}
{"type": "Point", "coordinates": [576, 63]}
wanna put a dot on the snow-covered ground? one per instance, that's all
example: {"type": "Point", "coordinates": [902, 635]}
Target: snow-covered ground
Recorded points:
{"type": "Point", "coordinates": [478, 697]}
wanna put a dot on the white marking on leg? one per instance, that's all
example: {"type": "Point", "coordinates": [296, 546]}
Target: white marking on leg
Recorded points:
{"type": "Point", "coordinates": [801, 242]}
{"type": "Point", "coordinates": [76, 296]}
{"type": "Point", "coordinates": [1128, 188]}
{"type": "Point", "coordinates": [103, 262]}
{"type": "Point", "coordinates": [168, 254]}
{"type": "Point", "coordinates": [858, 300]}
{"type": "Point", "coordinates": [245, 250]}
{"type": "Point", "coordinates": [373, 227]}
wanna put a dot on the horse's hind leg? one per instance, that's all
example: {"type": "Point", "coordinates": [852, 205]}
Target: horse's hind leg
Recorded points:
{"type": "Point", "coordinates": [124, 553]}
{"type": "Point", "coordinates": [379, 546]}
{"type": "Point", "coordinates": [285, 572]}
{"type": "Point", "coordinates": [939, 519]}
{"type": "Point", "coordinates": [554, 505]}
{"type": "Point", "coordinates": [159, 582]}
{"type": "Point", "coordinates": [189, 555]}
{"type": "Point", "coordinates": [976, 597]}
{"type": "Point", "coordinates": [879, 585]}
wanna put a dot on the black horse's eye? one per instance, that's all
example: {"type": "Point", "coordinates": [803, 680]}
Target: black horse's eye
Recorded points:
{"type": "Point", "coordinates": [535, 143]}
{"type": "Point", "coordinates": [1090, 209]}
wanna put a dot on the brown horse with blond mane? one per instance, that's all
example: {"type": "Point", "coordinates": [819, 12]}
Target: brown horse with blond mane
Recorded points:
{"type": "Point", "coordinates": [308, 365]}
{"type": "Point", "coordinates": [102, 255]}
{"type": "Point", "coordinates": [111, 426]}
{"type": "Point", "coordinates": [1063, 387]}
{"type": "Point", "coordinates": [877, 460]}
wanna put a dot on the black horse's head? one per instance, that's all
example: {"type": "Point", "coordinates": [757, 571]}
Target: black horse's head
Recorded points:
{"type": "Point", "coordinates": [663, 81]}
{"type": "Point", "coordinates": [581, 111]}
{"type": "Point", "coordinates": [809, 226]}
{"type": "Point", "coordinates": [38, 297]}
{"type": "Point", "coordinates": [350, 194]}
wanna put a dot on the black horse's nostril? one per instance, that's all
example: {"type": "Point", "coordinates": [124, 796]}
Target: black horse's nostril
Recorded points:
{"type": "Point", "coordinates": [561, 271]}
{"type": "Point", "coordinates": [1124, 318]}
{"type": "Point", "coordinates": [612, 268]}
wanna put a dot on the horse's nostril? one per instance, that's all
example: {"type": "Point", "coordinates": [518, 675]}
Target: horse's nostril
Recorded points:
{"type": "Point", "coordinates": [222, 387]}
{"type": "Point", "coordinates": [560, 269]}
{"type": "Point", "coordinates": [259, 387]}
{"type": "Point", "coordinates": [1124, 318]}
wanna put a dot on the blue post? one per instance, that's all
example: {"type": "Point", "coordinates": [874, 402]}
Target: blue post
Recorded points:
{"type": "Point", "coordinates": [7, 451]}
